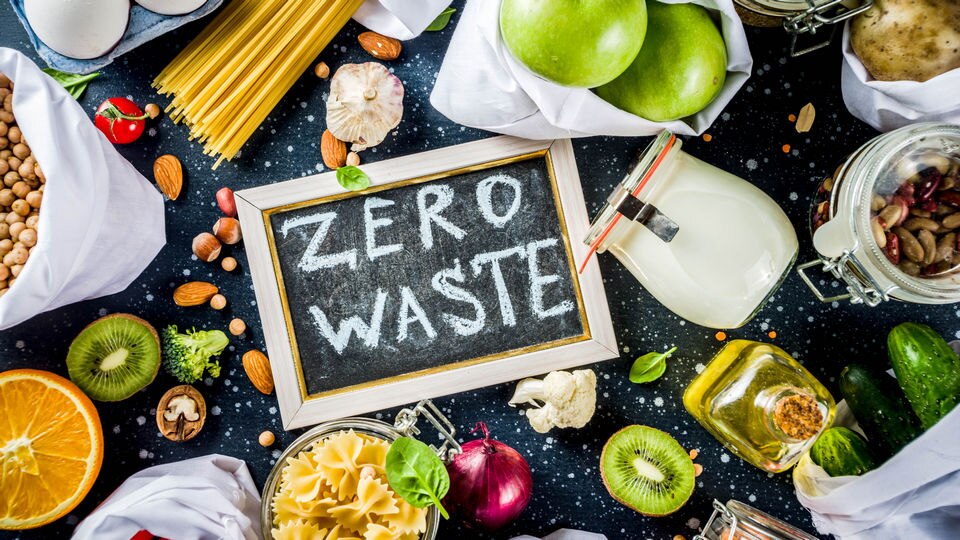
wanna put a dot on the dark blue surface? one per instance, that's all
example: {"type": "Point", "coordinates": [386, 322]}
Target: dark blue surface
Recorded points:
{"type": "Point", "coordinates": [746, 141]}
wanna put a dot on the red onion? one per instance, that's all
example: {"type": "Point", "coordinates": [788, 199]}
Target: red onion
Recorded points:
{"type": "Point", "coordinates": [490, 483]}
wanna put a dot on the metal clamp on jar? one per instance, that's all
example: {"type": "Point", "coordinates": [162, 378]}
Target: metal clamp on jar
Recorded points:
{"type": "Point", "coordinates": [739, 521]}
{"type": "Point", "coordinates": [887, 223]}
{"type": "Point", "coordinates": [405, 425]}
{"type": "Point", "coordinates": [799, 17]}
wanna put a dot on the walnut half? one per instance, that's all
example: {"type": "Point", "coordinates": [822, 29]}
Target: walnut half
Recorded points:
{"type": "Point", "coordinates": [181, 413]}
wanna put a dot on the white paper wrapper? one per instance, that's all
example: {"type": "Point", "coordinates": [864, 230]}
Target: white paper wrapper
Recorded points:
{"type": "Point", "coordinates": [206, 498]}
{"type": "Point", "coordinates": [481, 85]}
{"type": "Point", "coordinates": [566, 534]}
{"type": "Point", "coordinates": [400, 19]}
{"type": "Point", "coordinates": [915, 494]}
{"type": "Point", "coordinates": [101, 222]}
{"type": "Point", "coordinates": [888, 105]}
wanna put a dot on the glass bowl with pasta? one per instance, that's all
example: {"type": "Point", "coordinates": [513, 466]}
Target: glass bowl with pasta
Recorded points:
{"type": "Point", "coordinates": [330, 483]}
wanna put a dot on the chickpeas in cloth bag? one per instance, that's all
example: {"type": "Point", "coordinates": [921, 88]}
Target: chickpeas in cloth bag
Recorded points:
{"type": "Point", "coordinates": [100, 222]}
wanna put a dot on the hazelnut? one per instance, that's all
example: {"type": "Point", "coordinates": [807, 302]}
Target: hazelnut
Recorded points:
{"type": "Point", "coordinates": [322, 70]}
{"type": "Point", "coordinates": [267, 438]}
{"type": "Point", "coordinates": [229, 264]}
{"type": "Point", "coordinates": [227, 230]}
{"type": "Point", "coordinates": [152, 110]}
{"type": "Point", "coordinates": [206, 247]}
{"type": "Point", "coordinates": [181, 413]}
{"type": "Point", "coordinates": [237, 327]}
{"type": "Point", "coordinates": [353, 159]}
{"type": "Point", "coordinates": [218, 302]}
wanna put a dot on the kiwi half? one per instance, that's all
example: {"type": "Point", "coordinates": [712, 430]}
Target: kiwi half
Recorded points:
{"type": "Point", "coordinates": [114, 357]}
{"type": "Point", "coordinates": [647, 470]}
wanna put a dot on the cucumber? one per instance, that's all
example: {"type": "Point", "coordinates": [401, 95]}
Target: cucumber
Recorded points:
{"type": "Point", "coordinates": [882, 410]}
{"type": "Point", "coordinates": [927, 369]}
{"type": "Point", "coordinates": [841, 452]}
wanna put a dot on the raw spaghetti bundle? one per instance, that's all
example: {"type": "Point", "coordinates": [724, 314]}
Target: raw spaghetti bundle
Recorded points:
{"type": "Point", "coordinates": [228, 79]}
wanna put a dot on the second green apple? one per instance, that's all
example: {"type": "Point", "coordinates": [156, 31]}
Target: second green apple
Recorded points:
{"type": "Point", "coordinates": [680, 69]}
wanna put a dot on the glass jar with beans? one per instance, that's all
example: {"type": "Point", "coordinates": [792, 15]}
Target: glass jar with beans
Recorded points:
{"type": "Point", "coordinates": [20, 195]}
{"type": "Point", "coordinates": [887, 222]}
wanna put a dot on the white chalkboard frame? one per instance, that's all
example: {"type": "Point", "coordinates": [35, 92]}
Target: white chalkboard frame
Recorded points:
{"type": "Point", "coordinates": [297, 409]}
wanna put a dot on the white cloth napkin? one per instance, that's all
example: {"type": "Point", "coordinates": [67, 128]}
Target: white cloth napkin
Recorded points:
{"type": "Point", "coordinates": [481, 85]}
{"type": "Point", "coordinates": [206, 498]}
{"type": "Point", "coordinates": [915, 494]}
{"type": "Point", "coordinates": [888, 105]}
{"type": "Point", "coordinates": [400, 19]}
{"type": "Point", "coordinates": [101, 222]}
{"type": "Point", "coordinates": [566, 534]}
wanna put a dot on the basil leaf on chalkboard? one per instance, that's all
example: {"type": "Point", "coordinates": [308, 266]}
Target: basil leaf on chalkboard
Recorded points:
{"type": "Point", "coordinates": [416, 474]}
{"type": "Point", "coordinates": [352, 178]}
{"type": "Point", "coordinates": [442, 20]}
{"type": "Point", "coordinates": [75, 84]}
{"type": "Point", "coordinates": [650, 366]}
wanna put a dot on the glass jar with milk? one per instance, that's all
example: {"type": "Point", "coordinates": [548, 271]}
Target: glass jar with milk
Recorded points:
{"type": "Point", "coordinates": [708, 245]}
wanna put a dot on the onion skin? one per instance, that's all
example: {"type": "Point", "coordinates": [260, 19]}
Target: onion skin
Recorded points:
{"type": "Point", "coordinates": [490, 483]}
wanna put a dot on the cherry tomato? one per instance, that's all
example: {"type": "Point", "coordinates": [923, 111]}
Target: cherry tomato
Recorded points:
{"type": "Point", "coordinates": [120, 120]}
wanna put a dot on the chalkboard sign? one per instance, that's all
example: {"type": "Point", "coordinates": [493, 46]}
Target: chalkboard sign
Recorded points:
{"type": "Point", "coordinates": [455, 269]}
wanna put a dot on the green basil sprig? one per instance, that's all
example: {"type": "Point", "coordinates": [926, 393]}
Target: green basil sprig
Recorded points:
{"type": "Point", "coordinates": [75, 84]}
{"type": "Point", "coordinates": [352, 178]}
{"type": "Point", "coordinates": [650, 366]}
{"type": "Point", "coordinates": [442, 20]}
{"type": "Point", "coordinates": [416, 474]}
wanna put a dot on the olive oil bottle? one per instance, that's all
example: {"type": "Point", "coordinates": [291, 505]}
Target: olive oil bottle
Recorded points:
{"type": "Point", "coordinates": [760, 403]}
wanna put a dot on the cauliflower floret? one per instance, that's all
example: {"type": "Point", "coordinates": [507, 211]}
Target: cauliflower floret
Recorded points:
{"type": "Point", "coordinates": [569, 399]}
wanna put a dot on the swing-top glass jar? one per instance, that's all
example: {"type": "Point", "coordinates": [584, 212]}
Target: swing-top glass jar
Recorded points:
{"type": "Point", "coordinates": [376, 430]}
{"type": "Point", "coordinates": [806, 18]}
{"type": "Point", "coordinates": [738, 521]}
{"type": "Point", "coordinates": [887, 223]}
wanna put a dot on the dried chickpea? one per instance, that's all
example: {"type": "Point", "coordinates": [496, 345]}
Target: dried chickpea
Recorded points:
{"type": "Point", "coordinates": [237, 327]}
{"type": "Point", "coordinates": [28, 237]}
{"type": "Point", "coordinates": [11, 178]}
{"type": "Point", "coordinates": [16, 269]}
{"type": "Point", "coordinates": [6, 245]}
{"type": "Point", "coordinates": [152, 110]}
{"type": "Point", "coordinates": [10, 259]}
{"type": "Point", "coordinates": [7, 117]}
{"type": "Point", "coordinates": [229, 264]}
{"type": "Point", "coordinates": [8, 102]}
{"type": "Point", "coordinates": [266, 438]}
{"type": "Point", "coordinates": [15, 230]}
{"type": "Point", "coordinates": [3, 286]}
{"type": "Point", "coordinates": [4, 144]}
{"type": "Point", "coordinates": [21, 207]}
{"type": "Point", "coordinates": [20, 189]}
{"type": "Point", "coordinates": [4, 231]}
{"type": "Point", "coordinates": [4, 273]}
{"type": "Point", "coordinates": [34, 198]}
{"type": "Point", "coordinates": [218, 302]}
{"type": "Point", "coordinates": [39, 173]}
{"type": "Point", "coordinates": [3, 127]}
{"type": "Point", "coordinates": [4, 81]}
{"type": "Point", "coordinates": [32, 221]}
{"type": "Point", "coordinates": [7, 197]}
{"type": "Point", "coordinates": [13, 217]}
{"type": "Point", "coordinates": [14, 134]}
{"type": "Point", "coordinates": [4, 167]}
{"type": "Point", "coordinates": [21, 151]}
{"type": "Point", "coordinates": [10, 282]}
{"type": "Point", "coordinates": [5, 154]}
{"type": "Point", "coordinates": [14, 162]}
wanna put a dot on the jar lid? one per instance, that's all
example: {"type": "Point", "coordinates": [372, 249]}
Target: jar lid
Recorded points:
{"type": "Point", "coordinates": [739, 520]}
{"type": "Point", "coordinates": [632, 184]}
{"type": "Point", "coordinates": [780, 8]}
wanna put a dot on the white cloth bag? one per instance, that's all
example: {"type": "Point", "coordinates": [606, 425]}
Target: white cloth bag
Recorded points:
{"type": "Point", "coordinates": [101, 222]}
{"type": "Point", "coordinates": [915, 494]}
{"type": "Point", "coordinates": [400, 19]}
{"type": "Point", "coordinates": [888, 105]}
{"type": "Point", "coordinates": [481, 85]}
{"type": "Point", "coordinates": [204, 498]}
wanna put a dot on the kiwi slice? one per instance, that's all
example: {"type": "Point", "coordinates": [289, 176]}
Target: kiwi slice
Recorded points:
{"type": "Point", "coordinates": [114, 357]}
{"type": "Point", "coordinates": [647, 470]}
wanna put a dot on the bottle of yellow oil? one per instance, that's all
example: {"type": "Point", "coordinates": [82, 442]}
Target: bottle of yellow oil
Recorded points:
{"type": "Point", "coordinates": [760, 403]}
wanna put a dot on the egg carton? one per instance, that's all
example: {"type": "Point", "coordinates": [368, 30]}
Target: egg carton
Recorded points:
{"type": "Point", "coordinates": [144, 26]}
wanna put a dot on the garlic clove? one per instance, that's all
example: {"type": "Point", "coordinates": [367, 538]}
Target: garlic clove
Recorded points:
{"type": "Point", "coordinates": [365, 103]}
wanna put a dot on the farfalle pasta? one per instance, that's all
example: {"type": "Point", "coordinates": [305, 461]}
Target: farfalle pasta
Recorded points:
{"type": "Point", "coordinates": [337, 490]}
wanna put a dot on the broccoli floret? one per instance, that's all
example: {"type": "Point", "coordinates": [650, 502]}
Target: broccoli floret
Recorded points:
{"type": "Point", "coordinates": [186, 356]}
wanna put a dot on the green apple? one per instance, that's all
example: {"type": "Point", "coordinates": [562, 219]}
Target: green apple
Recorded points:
{"type": "Point", "coordinates": [582, 43]}
{"type": "Point", "coordinates": [680, 69]}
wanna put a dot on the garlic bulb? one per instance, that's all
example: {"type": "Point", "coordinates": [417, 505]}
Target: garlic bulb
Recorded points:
{"type": "Point", "coordinates": [365, 103]}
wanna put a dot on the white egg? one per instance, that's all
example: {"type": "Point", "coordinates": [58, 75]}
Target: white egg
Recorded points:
{"type": "Point", "coordinates": [79, 29]}
{"type": "Point", "coordinates": [171, 7]}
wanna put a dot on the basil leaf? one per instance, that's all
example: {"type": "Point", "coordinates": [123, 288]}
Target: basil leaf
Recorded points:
{"type": "Point", "coordinates": [416, 474]}
{"type": "Point", "coordinates": [649, 367]}
{"type": "Point", "coordinates": [442, 20]}
{"type": "Point", "coordinates": [352, 178]}
{"type": "Point", "coordinates": [75, 84]}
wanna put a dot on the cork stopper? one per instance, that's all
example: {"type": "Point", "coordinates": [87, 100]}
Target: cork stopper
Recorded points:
{"type": "Point", "coordinates": [798, 416]}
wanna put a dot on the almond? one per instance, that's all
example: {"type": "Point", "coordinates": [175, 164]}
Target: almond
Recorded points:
{"type": "Point", "coordinates": [333, 150]}
{"type": "Point", "coordinates": [257, 366]}
{"type": "Point", "coordinates": [194, 293]}
{"type": "Point", "coordinates": [380, 46]}
{"type": "Point", "coordinates": [168, 173]}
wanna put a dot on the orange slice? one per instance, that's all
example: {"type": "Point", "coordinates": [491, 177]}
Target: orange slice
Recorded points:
{"type": "Point", "coordinates": [51, 447]}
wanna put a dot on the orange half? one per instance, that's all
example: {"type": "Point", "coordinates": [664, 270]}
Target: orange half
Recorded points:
{"type": "Point", "coordinates": [51, 447]}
